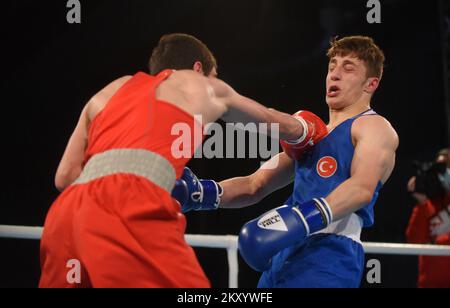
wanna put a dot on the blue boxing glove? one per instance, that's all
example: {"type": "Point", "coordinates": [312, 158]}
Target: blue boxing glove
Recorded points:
{"type": "Point", "coordinates": [196, 195]}
{"type": "Point", "coordinates": [261, 239]}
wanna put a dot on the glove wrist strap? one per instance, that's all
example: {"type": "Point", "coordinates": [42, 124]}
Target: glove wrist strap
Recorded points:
{"type": "Point", "coordinates": [305, 132]}
{"type": "Point", "coordinates": [315, 214]}
{"type": "Point", "coordinates": [211, 193]}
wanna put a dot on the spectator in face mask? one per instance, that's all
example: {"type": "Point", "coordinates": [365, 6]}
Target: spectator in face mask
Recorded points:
{"type": "Point", "coordinates": [430, 224]}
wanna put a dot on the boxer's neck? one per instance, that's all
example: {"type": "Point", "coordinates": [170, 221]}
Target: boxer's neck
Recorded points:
{"type": "Point", "coordinates": [338, 116]}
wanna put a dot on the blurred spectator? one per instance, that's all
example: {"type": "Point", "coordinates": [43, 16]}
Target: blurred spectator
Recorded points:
{"type": "Point", "coordinates": [430, 222]}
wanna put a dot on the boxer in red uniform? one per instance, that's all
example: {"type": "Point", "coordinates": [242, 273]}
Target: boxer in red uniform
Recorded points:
{"type": "Point", "coordinates": [115, 217]}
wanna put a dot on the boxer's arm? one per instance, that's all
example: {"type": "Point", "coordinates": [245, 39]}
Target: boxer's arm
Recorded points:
{"type": "Point", "coordinates": [240, 109]}
{"type": "Point", "coordinates": [374, 159]}
{"type": "Point", "coordinates": [71, 163]}
{"type": "Point", "coordinates": [245, 191]}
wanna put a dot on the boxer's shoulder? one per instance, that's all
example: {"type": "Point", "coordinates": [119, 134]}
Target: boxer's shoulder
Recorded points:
{"type": "Point", "coordinates": [372, 126]}
{"type": "Point", "coordinates": [371, 122]}
{"type": "Point", "coordinates": [116, 84]}
{"type": "Point", "coordinates": [107, 92]}
{"type": "Point", "coordinates": [99, 100]}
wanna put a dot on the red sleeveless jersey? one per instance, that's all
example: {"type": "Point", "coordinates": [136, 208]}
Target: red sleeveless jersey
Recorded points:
{"type": "Point", "coordinates": [135, 119]}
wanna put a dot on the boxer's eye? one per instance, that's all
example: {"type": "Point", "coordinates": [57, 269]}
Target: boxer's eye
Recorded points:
{"type": "Point", "coordinates": [349, 68]}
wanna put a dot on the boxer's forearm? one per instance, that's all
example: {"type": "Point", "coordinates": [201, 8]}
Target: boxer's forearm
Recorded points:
{"type": "Point", "coordinates": [239, 193]}
{"type": "Point", "coordinates": [66, 177]}
{"type": "Point", "coordinates": [290, 128]}
{"type": "Point", "coordinates": [348, 198]}
{"type": "Point", "coordinates": [245, 110]}
{"type": "Point", "coordinates": [71, 163]}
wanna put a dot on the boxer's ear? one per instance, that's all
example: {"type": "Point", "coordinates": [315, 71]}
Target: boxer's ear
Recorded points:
{"type": "Point", "coordinates": [371, 85]}
{"type": "Point", "coordinates": [198, 67]}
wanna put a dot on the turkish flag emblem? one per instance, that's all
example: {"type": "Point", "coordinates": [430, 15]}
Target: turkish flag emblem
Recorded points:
{"type": "Point", "coordinates": [327, 167]}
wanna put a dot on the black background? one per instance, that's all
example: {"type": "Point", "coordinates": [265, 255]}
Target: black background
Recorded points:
{"type": "Point", "coordinates": [272, 51]}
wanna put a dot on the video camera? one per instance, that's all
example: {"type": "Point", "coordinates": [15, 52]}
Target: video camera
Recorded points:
{"type": "Point", "coordinates": [428, 179]}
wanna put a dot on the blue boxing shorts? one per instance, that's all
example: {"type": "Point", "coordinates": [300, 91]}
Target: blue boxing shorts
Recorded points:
{"type": "Point", "coordinates": [321, 261]}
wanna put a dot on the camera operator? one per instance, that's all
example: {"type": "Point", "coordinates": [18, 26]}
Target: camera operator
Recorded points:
{"type": "Point", "coordinates": [430, 221]}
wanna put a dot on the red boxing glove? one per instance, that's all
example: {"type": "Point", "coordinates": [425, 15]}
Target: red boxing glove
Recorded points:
{"type": "Point", "coordinates": [314, 130]}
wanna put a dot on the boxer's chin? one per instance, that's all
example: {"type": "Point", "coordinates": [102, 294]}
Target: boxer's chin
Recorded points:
{"type": "Point", "coordinates": [334, 102]}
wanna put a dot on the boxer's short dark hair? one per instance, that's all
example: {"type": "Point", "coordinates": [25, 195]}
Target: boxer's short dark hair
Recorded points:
{"type": "Point", "coordinates": [180, 51]}
{"type": "Point", "coordinates": [362, 47]}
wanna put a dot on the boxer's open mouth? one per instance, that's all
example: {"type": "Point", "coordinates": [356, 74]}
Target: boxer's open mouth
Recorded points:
{"type": "Point", "coordinates": [333, 91]}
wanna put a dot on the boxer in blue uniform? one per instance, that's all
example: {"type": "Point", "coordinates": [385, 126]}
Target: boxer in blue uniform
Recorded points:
{"type": "Point", "coordinates": [314, 239]}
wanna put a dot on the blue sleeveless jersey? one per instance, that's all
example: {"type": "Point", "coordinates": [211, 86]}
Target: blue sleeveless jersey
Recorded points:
{"type": "Point", "coordinates": [327, 166]}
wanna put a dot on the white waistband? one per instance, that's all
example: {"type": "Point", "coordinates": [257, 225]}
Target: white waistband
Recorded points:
{"type": "Point", "coordinates": [351, 227]}
{"type": "Point", "coordinates": [151, 166]}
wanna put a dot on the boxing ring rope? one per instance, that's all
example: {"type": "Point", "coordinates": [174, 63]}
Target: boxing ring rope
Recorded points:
{"type": "Point", "coordinates": [230, 244]}
{"type": "Point", "coordinates": [200, 241]}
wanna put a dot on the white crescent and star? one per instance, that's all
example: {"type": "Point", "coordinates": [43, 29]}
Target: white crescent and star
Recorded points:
{"type": "Point", "coordinates": [327, 167]}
